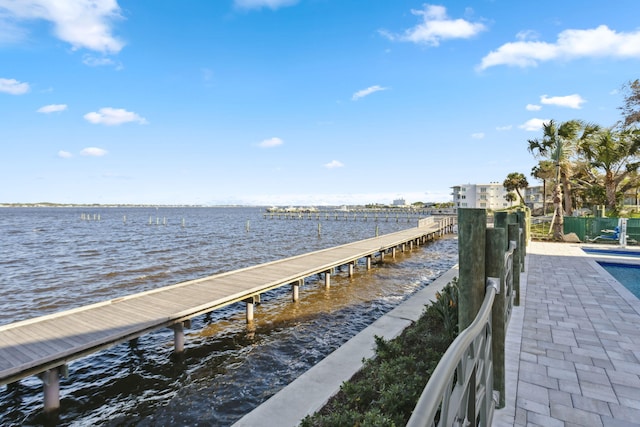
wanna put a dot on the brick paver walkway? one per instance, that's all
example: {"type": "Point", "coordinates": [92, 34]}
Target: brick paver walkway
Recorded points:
{"type": "Point", "coordinates": [573, 345]}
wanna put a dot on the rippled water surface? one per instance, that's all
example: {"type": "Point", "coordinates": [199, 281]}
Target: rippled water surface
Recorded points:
{"type": "Point", "coordinates": [52, 259]}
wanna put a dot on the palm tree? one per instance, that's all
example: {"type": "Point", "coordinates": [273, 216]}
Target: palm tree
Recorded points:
{"type": "Point", "coordinates": [514, 182]}
{"type": "Point", "coordinates": [544, 171]}
{"type": "Point", "coordinates": [559, 144]}
{"type": "Point", "coordinates": [613, 153]}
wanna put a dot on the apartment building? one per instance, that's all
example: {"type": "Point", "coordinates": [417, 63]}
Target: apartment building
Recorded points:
{"type": "Point", "coordinates": [481, 196]}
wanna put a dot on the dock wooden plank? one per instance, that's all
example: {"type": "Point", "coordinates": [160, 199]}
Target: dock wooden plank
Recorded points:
{"type": "Point", "coordinates": [38, 342]}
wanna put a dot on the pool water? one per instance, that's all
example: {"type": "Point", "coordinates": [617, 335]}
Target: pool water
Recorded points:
{"type": "Point", "coordinates": [627, 274]}
{"type": "Point", "coordinates": [617, 252]}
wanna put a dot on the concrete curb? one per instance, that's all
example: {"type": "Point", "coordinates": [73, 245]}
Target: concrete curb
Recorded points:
{"type": "Point", "coordinates": [313, 389]}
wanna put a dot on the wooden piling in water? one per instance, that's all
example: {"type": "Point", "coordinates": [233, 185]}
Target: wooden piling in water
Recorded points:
{"type": "Point", "coordinates": [51, 389]}
{"type": "Point", "coordinates": [178, 337]}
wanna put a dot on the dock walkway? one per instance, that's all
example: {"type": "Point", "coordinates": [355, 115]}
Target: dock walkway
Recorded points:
{"type": "Point", "coordinates": [46, 344]}
{"type": "Point", "coordinates": [573, 345]}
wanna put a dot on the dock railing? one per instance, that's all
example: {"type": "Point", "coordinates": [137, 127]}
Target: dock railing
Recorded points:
{"type": "Point", "coordinates": [469, 381]}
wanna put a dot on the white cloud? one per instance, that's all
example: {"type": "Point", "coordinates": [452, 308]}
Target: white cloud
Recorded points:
{"type": "Point", "coordinates": [527, 35]}
{"type": "Point", "coordinates": [93, 152]}
{"type": "Point", "coordinates": [64, 154]}
{"type": "Point", "coordinates": [504, 128]}
{"type": "Point", "coordinates": [53, 108]}
{"type": "Point", "coordinates": [271, 142]}
{"type": "Point", "coordinates": [571, 44]}
{"type": "Point", "coordinates": [368, 91]}
{"type": "Point", "coordinates": [82, 23]}
{"type": "Point", "coordinates": [435, 27]}
{"type": "Point", "coordinates": [258, 4]}
{"type": "Point", "coordinates": [477, 135]}
{"type": "Point", "coordinates": [333, 164]}
{"type": "Point", "coordinates": [571, 101]}
{"type": "Point", "coordinates": [533, 107]}
{"type": "Point", "coordinates": [13, 86]}
{"type": "Point", "coordinates": [533, 124]}
{"type": "Point", "coordinates": [114, 116]}
{"type": "Point", "coordinates": [103, 61]}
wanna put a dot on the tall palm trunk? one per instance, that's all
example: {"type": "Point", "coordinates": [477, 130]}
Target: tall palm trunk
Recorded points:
{"type": "Point", "coordinates": [568, 204]}
{"type": "Point", "coordinates": [610, 188]}
{"type": "Point", "coordinates": [558, 214]}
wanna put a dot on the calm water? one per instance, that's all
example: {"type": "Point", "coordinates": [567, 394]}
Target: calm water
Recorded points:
{"type": "Point", "coordinates": [52, 260]}
{"type": "Point", "coordinates": [627, 274]}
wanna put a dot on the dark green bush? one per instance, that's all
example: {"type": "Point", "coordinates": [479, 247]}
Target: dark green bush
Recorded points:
{"type": "Point", "coordinates": [385, 391]}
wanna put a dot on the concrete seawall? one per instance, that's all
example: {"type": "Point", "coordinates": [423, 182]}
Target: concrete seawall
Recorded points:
{"type": "Point", "coordinates": [313, 389]}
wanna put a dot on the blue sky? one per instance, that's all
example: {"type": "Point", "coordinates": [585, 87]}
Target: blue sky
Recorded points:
{"type": "Point", "coordinates": [310, 102]}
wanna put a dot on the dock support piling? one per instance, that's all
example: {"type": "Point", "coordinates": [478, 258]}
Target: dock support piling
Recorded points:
{"type": "Point", "coordinates": [178, 337]}
{"type": "Point", "coordinates": [51, 388]}
{"type": "Point", "coordinates": [368, 262]}
{"type": "Point", "coordinates": [249, 303]}
{"type": "Point", "coordinates": [393, 252]}
{"type": "Point", "coordinates": [327, 279]}
{"type": "Point", "coordinates": [351, 267]}
{"type": "Point", "coordinates": [295, 287]}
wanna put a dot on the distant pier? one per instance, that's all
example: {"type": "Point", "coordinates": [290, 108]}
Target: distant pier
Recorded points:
{"type": "Point", "coordinates": [353, 214]}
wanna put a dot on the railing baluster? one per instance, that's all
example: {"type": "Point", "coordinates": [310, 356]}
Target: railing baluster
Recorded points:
{"type": "Point", "coordinates": [470, 358]}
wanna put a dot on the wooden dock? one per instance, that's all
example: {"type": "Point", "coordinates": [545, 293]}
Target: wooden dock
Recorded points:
{"type": "Point", "coordinates": [45, 345]}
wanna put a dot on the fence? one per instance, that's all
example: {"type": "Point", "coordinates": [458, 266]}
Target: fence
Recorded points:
{"type": "Point", "coordinates": [588, 228]}
{"type": "Point", "coordinates": [469, 381]}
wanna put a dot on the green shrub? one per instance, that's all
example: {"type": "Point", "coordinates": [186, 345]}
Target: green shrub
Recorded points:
{"type": "Point", "coordinates": [385, 391]}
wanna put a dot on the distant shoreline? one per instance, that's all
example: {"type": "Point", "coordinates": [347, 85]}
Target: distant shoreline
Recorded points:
{"type": "Point", "coordinates": [111, 205]}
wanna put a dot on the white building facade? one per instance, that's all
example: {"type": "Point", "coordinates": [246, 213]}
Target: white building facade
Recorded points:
{"type": "Point", "coordinates": [481, 196]}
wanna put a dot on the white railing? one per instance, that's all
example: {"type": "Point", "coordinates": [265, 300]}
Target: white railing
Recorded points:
{"type": "Point", "coordinates": [423, 222]}
{"type": "Point", "coordinates": [461, 386]}
{"type": "Point", "coordinates": [461, 391]}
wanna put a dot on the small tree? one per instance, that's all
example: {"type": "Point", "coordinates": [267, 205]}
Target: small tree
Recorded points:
{"type": "Point", "coordinates": [631, 107]}
{"type": "Point", "coordinates": [514, 182]}
{"type": "Point", "coordinates": [510, 197]}
{"type": "Point", "coordinates": [544, 171]}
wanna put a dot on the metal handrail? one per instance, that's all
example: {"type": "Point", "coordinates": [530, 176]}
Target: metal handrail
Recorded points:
{"type": "Point", "coordinates": [470, 357]}
{"type": "Point", "coordinates": [508, 280]}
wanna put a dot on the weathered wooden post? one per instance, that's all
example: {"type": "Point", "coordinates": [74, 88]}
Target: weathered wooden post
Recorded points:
{"type": "Point", "coordinates": [327, 279]}
{"type": "Point", "coordinates": [472, 227]}
{"type": "Point", "coordinates": [513, 232]}
{"type": "Point", "coordinates": [496, 245]}
{"type": "Point", "coordinates": [500, 219]}
{"type": "Point", "coordinates": [523, 221]}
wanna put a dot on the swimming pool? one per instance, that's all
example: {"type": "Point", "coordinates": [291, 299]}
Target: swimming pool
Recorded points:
{"type": "Point", "coordinates": [616, 252]}
{"type": "Point", "coordinates": [627, 274]}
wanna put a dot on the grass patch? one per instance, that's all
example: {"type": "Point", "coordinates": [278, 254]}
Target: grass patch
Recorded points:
{"type": "Point", "coordinates": [385, 391]}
